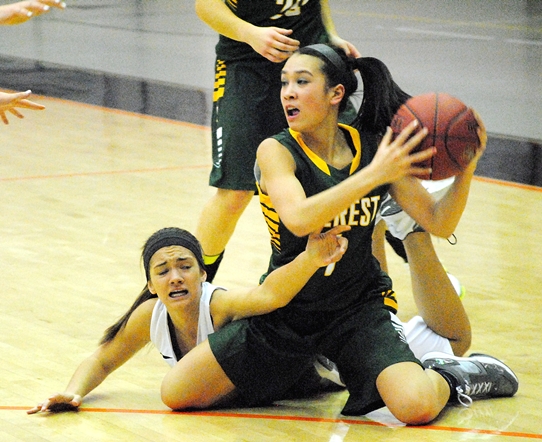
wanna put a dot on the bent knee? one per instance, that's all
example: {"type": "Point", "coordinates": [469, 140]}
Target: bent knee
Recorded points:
{"type": "Point", "coordinates": [414, 410]}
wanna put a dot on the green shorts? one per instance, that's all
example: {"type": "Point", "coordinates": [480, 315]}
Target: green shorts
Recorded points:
{"type": "Point", "coordinates": [246, 110]}
{"type": "Point", "coordinates": [263, 357]}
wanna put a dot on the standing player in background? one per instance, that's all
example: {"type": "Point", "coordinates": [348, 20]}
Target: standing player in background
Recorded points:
{"type": "Point", "coordinates": [256, 37]}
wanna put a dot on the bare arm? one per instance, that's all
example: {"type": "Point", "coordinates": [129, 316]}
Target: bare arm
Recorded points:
{"type": "Point", "coordinates": [441, 217]}
{"type": "Point", "coordinates": [272, 43]}
{"type": "Point", "coordinates": [334, 38]}
{"type": "Point", "coordinates": [278, 180]}
{"type": "Point", "coordinates": [281, 285]}
{"type": "Point", "coordinates": [107, 358]}
{"type": "Point", "coordinates": [17, 13]}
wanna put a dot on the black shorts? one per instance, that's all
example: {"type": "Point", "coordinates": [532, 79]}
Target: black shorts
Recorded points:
{"type": "Point", "coordinates": [263, 357]}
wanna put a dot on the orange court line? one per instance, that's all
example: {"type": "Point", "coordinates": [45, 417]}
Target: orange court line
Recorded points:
{"type": "Point", "coordinates": [105, 172]}
{"type": "Point", "coordinates": [294, 418]}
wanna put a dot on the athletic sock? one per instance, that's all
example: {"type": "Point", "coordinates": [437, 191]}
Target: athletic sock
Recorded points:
{"type": "Point", "coordinates": [212, 262]}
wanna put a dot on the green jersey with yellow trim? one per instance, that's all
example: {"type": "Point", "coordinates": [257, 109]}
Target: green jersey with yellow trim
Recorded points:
{"type": "Point", "coordinates": [335, 287]}
{"type": "Point", "coordinates": [303, 17]}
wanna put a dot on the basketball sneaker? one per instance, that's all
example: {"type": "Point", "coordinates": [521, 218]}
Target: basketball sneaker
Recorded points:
{"type": "Point", "coordinates": [478, 376]}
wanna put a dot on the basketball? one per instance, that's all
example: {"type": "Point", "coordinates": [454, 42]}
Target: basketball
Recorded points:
{"type": "Point", "coordinates": [452, 130]}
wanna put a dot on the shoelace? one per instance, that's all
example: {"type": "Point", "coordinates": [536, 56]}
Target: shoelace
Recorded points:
{"type": "Point", "coordinates": [463, 398]}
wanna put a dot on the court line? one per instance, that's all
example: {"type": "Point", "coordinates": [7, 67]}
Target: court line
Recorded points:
{"type": "Point", "coordinates": [294, 418]}
{"type": "Point", "coordinates": [106, 172]}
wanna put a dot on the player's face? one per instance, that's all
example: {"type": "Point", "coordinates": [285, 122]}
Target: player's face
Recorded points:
{"type": "Point", "coordinates": [175, 276]}
{"type": "Point", "coordinates": [305, 97]}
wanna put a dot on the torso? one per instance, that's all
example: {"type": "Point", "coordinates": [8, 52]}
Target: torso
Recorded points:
{"type": "Point", "coordinates": [332, 288]}
{"type": "Point", "coordinates": [302, 16]}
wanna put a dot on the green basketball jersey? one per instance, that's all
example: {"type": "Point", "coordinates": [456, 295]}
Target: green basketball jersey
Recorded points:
{"type": "Point", "coordinates": [302, 16]}
{"type": "Point", "coordinates": [332, 288]}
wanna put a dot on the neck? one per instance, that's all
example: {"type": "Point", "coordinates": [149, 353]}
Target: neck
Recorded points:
{"type": "Point", "coordinates": [330, 145]}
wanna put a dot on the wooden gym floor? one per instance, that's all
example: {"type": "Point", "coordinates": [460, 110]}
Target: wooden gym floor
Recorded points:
{"type": "Point", "coordinates": [82, 188]}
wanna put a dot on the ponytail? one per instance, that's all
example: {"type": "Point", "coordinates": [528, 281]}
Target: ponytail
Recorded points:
{"type": "Point", "coordinates": [112, 331]}
{"type": "Point", "coordinates": [382, 97]}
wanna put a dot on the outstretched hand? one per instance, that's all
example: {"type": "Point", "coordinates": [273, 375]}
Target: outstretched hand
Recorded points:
{"type": "Point", "coordinates": [328, 247]}
{"type": "Point", "coordinates": [10, 101]}
{"type": "Point", "coordinates": [58, 402]}
{"type": "Point", "coordinates": [17, 13]}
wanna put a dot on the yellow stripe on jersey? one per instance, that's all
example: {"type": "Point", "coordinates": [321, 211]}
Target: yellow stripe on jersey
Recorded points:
{"type": "Point", "coordinates": [232, 4]}
{"type": "Point", "coordinates": [319, 162]}
{"type": "Point", "coordinates": [271, 217]}
{"type": "Point", "coordinates": [354, 135]}
{"type": "Point", "coordinates": [220, 80]}
{"type": "Point", "coordinates": [390, 300]}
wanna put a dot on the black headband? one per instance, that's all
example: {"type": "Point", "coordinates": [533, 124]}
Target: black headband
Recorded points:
{"type": "Point", "coordinates": [329, 54]}
{"type": "Point", "coordinates": [171, 236]}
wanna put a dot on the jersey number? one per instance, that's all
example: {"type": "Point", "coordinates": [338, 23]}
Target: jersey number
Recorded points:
{"type": "Point", "coordinates": [290, 8]}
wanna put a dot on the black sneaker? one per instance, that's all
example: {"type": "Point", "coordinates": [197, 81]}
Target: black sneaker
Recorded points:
{"type": "Point", "coordinates": [479, 376]}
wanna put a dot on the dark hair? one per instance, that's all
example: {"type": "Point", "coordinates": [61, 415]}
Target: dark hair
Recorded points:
{"type": "Point", "coordinates": [382, 97]}
{"type": "Point", "coordinates": [165, 237]}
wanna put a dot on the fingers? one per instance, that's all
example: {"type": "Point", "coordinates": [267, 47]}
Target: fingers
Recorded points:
{"type": "Point", "coordinates": [27, 104]}
{"type": "Point", "coordinates": [337, 230]}
{"type": "Point", "coordinates": [57, 402]}
{"type": "Point", "coordinates": [408, 140]}
{"type": "Point", "coordinates": [42, 6]}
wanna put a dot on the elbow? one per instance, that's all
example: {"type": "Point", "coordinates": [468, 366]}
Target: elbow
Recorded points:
{"type": "Point", "coordinates": [298, 227]}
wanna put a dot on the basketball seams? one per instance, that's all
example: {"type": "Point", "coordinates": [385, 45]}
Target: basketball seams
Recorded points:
{"type": "Point", "coordinates": [450, 124]}
{"type": "Point", "coordinates": [451, 155]}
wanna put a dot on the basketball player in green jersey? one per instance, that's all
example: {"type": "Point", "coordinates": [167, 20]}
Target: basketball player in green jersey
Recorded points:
{"type": "Point", "coordinates": [256, 37]}
{"type": "Point", "coordinates": [318, 174]}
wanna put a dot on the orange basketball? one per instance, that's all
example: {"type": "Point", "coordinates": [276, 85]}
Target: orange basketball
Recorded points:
{"type": "Point", "coordinates": [452, 130]}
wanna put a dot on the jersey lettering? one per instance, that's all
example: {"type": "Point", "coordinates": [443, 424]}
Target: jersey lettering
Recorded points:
{"type": "Point", "coordinates": [290, 8]}
{"type": "Point", "coordinates": [360, 213]}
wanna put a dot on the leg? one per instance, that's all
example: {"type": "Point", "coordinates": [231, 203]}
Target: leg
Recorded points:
{"type": "Point", "coordinates": [413, 395]}
{"type": "Point", "coordinates": [434, 294]}
{"type": "Point", "coordinates": [219, 217]}
{"type": "Point", "coordinates": [184, 386]}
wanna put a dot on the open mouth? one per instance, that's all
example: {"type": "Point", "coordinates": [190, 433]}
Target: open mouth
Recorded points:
{"type": "Point", "coordinates": [178, 293]}
{"type": "Point", "coordinates": [292, 111]}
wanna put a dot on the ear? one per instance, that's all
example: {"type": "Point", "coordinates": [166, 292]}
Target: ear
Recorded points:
{"type": "Point", "coordinates": [203, 275]}
{"type": "Point", "coordinates": [337, 94]}
{"type": "Point", "coordinates": [151, 288]}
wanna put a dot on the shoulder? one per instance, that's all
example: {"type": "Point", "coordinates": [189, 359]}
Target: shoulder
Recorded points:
{"type": "Point", "coordinates": [219, 307]}
{"type": "Point", "coordinates": [143, 314]}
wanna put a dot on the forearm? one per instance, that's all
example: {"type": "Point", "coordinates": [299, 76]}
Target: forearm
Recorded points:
{"type": "Point", "coordinates": [327, 19]}
{"type": "Point", "coordinates": [325, 206]}
{"type": "Point", "coordinates": [450, 208]}
{"type": "Point", "coordinates": [87, 377]}
{"type": "Point", "coordinates": [287, 281]}
{"type": "Point", "coordinates": [220, 18]}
